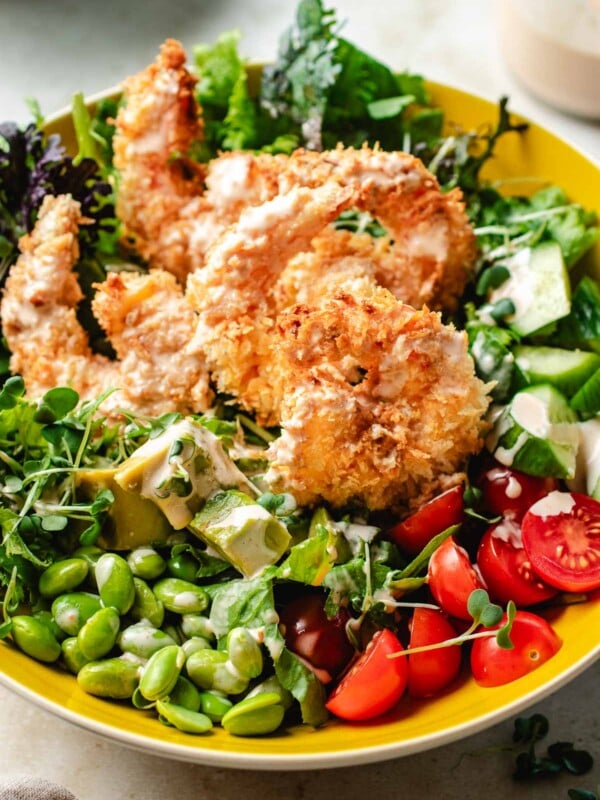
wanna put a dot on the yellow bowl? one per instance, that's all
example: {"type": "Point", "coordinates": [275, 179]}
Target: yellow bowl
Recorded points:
{"type": "Point", "coordinates": [412, 726]}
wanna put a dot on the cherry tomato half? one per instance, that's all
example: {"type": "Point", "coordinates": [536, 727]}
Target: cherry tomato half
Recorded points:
{"type": "Point", "coordinates": [309, 633]}
{"type": "Point", "coordinates": [413, 533]}
{"type": "Point", "coordinates": [534, 640]}
{"type": "Point", "coordinates": [506, 569]}
{"type": "Point", "coordinates": [451, 578]}
{"type": "Point", "coordinates": [561, 536]}
{"type": "Point", "coordinates": [507, 491]}
{"type": "Point", "coordinates": [374, 684]}
{"type": "Point", "coordinates": [430, 672]}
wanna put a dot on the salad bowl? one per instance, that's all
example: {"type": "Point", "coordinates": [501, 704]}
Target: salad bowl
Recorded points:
{"type": "Point", "coordinates": [533, 158]}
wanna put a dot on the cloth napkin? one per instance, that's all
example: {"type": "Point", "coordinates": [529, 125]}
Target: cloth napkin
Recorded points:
{"type": "Point", "coordinates": [34, 789]}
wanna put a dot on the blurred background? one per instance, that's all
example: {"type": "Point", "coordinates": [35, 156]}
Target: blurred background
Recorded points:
{"type": "Point", "coordinates": [51, 50]}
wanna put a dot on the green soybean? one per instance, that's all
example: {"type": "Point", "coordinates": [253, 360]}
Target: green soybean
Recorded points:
{"type": "Point", "coordinates": [113, 677]}
{"type": "Point", "coordinates": [115, 582]}
{"type": "Point", "coordinates": [214, 705]}
{"type": "Point", "coordinates": [146, 563]}
{"type": "Point", "coordinates": [99, 634]}
{"type": "Point", "coordinates": [244, 652]}
{"type": "Point", "coordinates": [72, 610]}
{"type": "Point", "coordinates": [143, 639]}
{"type": "Point", "coordinates": [211, 669]}
{"type": "Point", "coordinates": [254, 716]}
{"type": "Point", "coordinates": [35, 638]}
{"type": "Point", "coordinates": [183, 566]}
{"type": "Point", "coordinates": [185, 694]}
{"type": "Point", "coordinates": [195, 643]}
{"type": "Point", "coordinates": [63, 576]}
{"type": "Point", "coordinates": [183, 718]}
{"type": "Point", "coordinates": [47, 619]}
{"type": "Point", "coordinates": [181, 597]}
{"type": "Point", "coordinates": [271, 684]}
{"type": "Point", "coordinates": [72, 657]}
{"type": "Point", "coordinates": [161, 672]}
{"type": "Point", "coordinates": [197, 625]}
{"type": "Point", "coordinates": [146, 606]}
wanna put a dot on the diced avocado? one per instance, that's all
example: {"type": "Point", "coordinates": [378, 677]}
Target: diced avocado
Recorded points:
{"type": "Point", "coordinates": [538, 286]}
{"type": "Point", "coordinates": [586, 400]}
{"type": "Point", "coordinates": [241, 531]}
{"type": "Point", "coordinates": [566, 370]}
{"type": "Point", "coordinates": [581, 328]}
{"type": "Point", "coordinates": [132, 521]}
{"type": "Point", "coordinates": [536, 433]}
{"type": "Point", "coordinates": [179, 470]}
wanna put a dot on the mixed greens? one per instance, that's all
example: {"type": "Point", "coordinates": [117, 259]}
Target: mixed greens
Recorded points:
{"type": "Point", "coordinates": [71, 481]}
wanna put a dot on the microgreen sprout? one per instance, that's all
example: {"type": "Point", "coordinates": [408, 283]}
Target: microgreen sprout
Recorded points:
{"type": "Point", "coordinates": [560, 756]}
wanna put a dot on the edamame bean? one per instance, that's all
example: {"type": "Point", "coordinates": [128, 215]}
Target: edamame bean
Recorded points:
{"type": "Point", "coordinates": [244, 652]}
{"type": "Point", "coordinates": [254, 716]}
{"type": "Point", "coordinates": [179, 596]}
{"type": "Point", "coordinates": [183, 718]}
{"type": "Point", "coordinates": [63, 576]}
{"type": "Point", "coordinates": [114, 677]}
{"type": "Point", "coordinates": [47, 619]}
{"type": "Point", "coordinates": [146, 563]}
{"type": "Point", "coordinates": [161, 672]}
{"type": "Point", "coordinates": [115, 582]}
{"type": "Point", "coordinates": [99, 634]}
{"type": "Point", "coordinates": [197, 625]}
{"type": "Point", "coordinates": [214, 705]}
{"type": "Point", "coordinates": [143, 639]}
{"type": "Point", "coordinates": [211, 669]}
{"type": "Point", "coordinates": [195, 643]}
{"type": "Point", "coordinates": [71, 611]}
{"type": "Point", "coordinates": [35, 638]}
{"type": "Point", "coordinates": [183, 566]}
{"type": "Point", "coordinates": [72, 657]}
{"type": "Point", "coordinates": [185, 694]}
{"type": "Point", "coordinates": [145, 605]}
{"type": "Point", "coordinates": [271, 684]}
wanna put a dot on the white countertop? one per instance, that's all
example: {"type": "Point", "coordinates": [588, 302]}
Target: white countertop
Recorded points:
{"type": "Point", "coordinates": [49, 51]}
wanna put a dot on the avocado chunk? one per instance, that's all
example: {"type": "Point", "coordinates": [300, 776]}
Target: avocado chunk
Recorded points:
{"type": "Point", "coordinates": [132, 521]}
{"type": "Point", "coordinates": [241, 531]}
{"type": "Point", "coordinates": [179, 470]}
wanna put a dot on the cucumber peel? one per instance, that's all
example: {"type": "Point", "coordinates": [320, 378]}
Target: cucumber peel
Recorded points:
{"type": "Point", "coordinates": [566, 370]}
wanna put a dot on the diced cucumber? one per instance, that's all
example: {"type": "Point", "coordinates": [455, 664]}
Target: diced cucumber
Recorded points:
{"type": "Point", "coordinates": [537, 433]}
{"type": "Point", "coordinates": [587, 399]}
{"type": "Point", "coordinates": [587, 475]}
{"type": "Point", "coordinates": [566, 370]}
{"type": "Point", "coordinates": [538, 287]}
{"type": "Point", "coordinates": [581, 328]}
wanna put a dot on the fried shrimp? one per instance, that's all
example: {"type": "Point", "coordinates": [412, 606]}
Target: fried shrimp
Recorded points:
{"type": "Point", "coordinates": [381, 404]}
{"type": "Point", "coordinates": [145, 316]}
{"type": "Point", "coordinates": [173, 207]}
{"type": "Point", "coordinates": [430, 248]}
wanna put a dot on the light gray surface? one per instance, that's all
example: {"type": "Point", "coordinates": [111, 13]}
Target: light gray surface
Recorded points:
{"type": "Point", "coordinates": [49, 51]}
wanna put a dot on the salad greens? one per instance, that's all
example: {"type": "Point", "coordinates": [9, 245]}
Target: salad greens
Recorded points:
{"type": "Point", "coordinates": [320, 90]}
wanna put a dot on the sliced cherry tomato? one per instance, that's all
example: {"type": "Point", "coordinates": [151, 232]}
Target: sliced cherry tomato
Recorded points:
{"type": "Point", "coordinates": [506, 490]}
{"type": "Point", "coordinates": [374, 684]}
{"type": "Point", "coordinates": [413, 533]}
{"type": "Point", "coordinates": [452, 578]}
{"type": "Point", "coordinates": [309, 633]}
{"type": "Point", "coordinates": [561, 536]}
{"type": "Point", "coordinates": [506, 569]}
{"type": "Point", "coordinates": [430, 672]}
{"type": "Point", "coordinates": [534, 640]}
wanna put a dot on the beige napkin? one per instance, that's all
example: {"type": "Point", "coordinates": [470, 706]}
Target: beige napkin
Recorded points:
{"type": "Point", "coordinates": [34, 789]}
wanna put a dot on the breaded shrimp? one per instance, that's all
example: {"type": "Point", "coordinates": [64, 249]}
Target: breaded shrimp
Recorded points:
{"type": "Point", "coordinates": [48, 345]}
{"type": "Point", "coordinates": [145, 316]}
{"type": "Point", "coordinates": [430, 248]}
{"type": "Point", "coordinates": [234, 294]}
{"type": "Point", "coordinates": [173, 207]}
{"type": "Point", "coordinates": [381, 405]}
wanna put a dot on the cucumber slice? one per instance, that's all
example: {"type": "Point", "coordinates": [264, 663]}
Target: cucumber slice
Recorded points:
{"type": "Point", "coordinates": [587, 475]}
{"type": "Point", "coordinates": [566, 370]}
{"type": "Point", "coordinates": [537, 433]}
{"type": "Point", "coordinates": [538, 286]}
{"type": "Point", "coordinates": [581, 328]}
{"type": "Point", "coordinates": [587, 399]}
